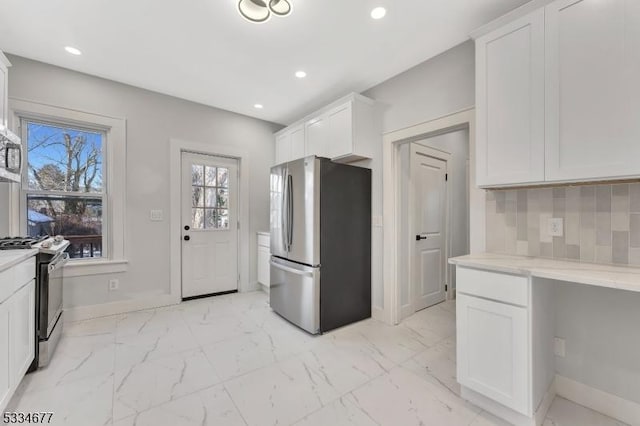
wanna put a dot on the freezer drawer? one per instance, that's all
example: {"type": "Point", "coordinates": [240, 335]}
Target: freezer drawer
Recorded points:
{"type": "Point", "coordinates": [295, 293]}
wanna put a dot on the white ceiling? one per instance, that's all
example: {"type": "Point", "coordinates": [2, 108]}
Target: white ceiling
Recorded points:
{"type": "Point", "coordinates": [205, 52]}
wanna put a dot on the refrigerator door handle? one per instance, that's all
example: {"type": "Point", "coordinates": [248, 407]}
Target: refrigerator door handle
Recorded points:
{"type": "Point", "coordinates": [283, 220]}
{"type": "Point", "coordinates": [290, 210]}
{"type": "Point", "coordinates": [291, 270]}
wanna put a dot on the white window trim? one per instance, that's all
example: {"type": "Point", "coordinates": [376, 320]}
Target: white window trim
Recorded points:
{"type": "Point", "coordinates": [115, 154]}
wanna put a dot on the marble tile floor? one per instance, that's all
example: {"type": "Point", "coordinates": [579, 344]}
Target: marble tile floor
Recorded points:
{"type": "Point", "coordinates": [230, 360]}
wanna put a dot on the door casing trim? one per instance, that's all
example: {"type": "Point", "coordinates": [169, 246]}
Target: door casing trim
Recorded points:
{"type": "Point", "coordinates": [390, 311]}
{"type": "Point", "coordinates": [176, 147]}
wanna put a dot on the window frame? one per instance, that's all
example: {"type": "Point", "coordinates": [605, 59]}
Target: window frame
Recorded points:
{"type": "Point", "coordinates": [114, 180]}
{"type": "Point", "coordinates": [103, 194]}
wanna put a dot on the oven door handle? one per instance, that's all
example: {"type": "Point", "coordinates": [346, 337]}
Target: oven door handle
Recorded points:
{"type": "Point", "coordinates": [58, 261]}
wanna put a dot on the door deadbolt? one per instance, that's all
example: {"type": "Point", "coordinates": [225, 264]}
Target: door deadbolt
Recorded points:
{"type": "Point", "coordinates": [186, 227]}
{"type": "Point", "coordinates": [187, 238]}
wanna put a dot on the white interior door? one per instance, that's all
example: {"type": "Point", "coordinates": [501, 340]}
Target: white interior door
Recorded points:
{"type": "Point", "coordinates": [428, 228]}
{"type": "Point", "coordinates": [209, 225]}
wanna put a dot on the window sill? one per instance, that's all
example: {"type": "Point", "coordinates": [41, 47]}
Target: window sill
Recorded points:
{"type": "Point", "coordinates": [96, 267]}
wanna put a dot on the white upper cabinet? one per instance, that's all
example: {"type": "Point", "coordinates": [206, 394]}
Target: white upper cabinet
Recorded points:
{"type": "Point", "coordinates": [510, 103]}
{"type": "Point", "coordinates": [290, 144]}
{"type": "Point", "coordinates": [344, 131]}
{"type": "Point", "coordinates": [592, 89]}
{"type": "Point", "coordinates": [4, 91]}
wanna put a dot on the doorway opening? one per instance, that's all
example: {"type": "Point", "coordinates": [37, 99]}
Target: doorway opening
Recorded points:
{"type": "Point", "coordinates": [434, 216]}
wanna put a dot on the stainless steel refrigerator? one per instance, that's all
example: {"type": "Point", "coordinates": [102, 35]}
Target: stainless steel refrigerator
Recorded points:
{"type": "Point", "coordinates": [320, 243]}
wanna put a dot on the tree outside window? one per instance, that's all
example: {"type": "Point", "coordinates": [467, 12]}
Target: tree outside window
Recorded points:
{"type": "Point", "coordinates": [64, 185]}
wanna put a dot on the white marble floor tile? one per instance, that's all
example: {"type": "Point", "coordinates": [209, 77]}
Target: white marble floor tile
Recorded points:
{"type": "Point", "coordinates": [434, 323]}
{"type": "Point", "coordinates": [141, 322]}
{"type": "Point", "coordinates": [437, 365]}
{"type": "Point", "coordinates": [210, 329]}
{"type": "Point", "coordinates": [488, 419]}
{"type": "Point", "coordinates": [341, 412]}
{"type": "Point", "coordinates": [157, 343]}
{"type": "Point", "coordinates": [236, 356]}
{"type": "Point", "coordinates": [152, 383]}
{"type": "Point", "coordinates": [402, 398]}
{"type": "Point", "coordinates": [210, 407]}
{"type": "Point", "coordinates": [75, 357]}
{"type": "Point", "coordinates": [79, 403]}
{"type": "Point", "coordinates": [280, 393]}
{"type": "Point", "coordinates": [567, 413]}
{"type": "Point", "coordinates": [92, 327]}
{"type": "Point", "coordinates": [288, 340]}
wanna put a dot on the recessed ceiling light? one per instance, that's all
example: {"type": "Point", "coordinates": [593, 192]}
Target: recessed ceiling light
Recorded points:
{"type": "Point", "coordinates": [378, 13]}
{"type": "Point", "coordinates": [73, 50]}
{"type": "Point", "coordinates": [258, 106]}
{"type": "Point", "coordinates": [301, 74]}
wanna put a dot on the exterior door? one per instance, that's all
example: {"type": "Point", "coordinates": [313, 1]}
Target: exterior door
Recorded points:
{"type": "Point", "coordinates": [428, 228]}
{"type": "Point", "coordinates": [209, 225]}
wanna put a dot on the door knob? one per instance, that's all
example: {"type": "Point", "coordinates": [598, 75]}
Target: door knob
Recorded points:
{"type": "Point", "coordinates": [187, 238]}
{"type": "Point", "coordinates": [420, 237]}
{"type": "Point", "coordinates": [186, 227]}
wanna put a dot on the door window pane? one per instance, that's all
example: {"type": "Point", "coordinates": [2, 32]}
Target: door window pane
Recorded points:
{"type": "Point", "coordinates": [197, 196]}
{"type": "Point", "coordinates": [211, 197]}
{"type": "Point", "coordinates": [223, 198]}
{"type": "Point", "coordinates": [197, 218]}
{"type": "Point", "coordinates": [210, 173]}
{"type": "Point", "coordinates": [210, 200]}
{"type": "Point", "coordinates": [196, 174]}
{"type": "Point", "coordinates": [223, 177]}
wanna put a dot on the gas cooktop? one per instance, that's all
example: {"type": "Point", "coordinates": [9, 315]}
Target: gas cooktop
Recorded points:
{"type": "Point", "coordinates": [12, 243]}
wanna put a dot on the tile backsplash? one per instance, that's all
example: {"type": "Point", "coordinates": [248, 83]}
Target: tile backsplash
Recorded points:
{"type": "Point", "coordinates": [601, 222]}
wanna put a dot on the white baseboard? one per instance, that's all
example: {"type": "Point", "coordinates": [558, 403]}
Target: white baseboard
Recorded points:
{"type": "Point", "coordinates": [377, 313]}
{"type": "Point", "coordinates": [608, 404]}
{"type": "Point", "coordinates": [114, 308]}
{"type": "Point", "coordinates": [264, 288]}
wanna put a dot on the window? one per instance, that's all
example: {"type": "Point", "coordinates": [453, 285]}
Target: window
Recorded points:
{"type": "Point", "coordinates": [64, 184]}
{"type": "Point", "coordinates": [210, 197]}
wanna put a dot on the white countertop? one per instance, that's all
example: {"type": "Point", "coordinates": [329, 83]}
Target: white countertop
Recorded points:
{"type": "Point", "coordinates": [9, 258]}
{"type": "Point", "coordinates": [611, 276]}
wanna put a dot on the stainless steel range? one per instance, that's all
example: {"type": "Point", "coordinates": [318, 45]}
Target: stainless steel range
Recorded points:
{"type": "Point", "coordinates": [49, 264]}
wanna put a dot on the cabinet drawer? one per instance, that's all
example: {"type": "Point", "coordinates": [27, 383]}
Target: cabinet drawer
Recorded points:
{"type": "Point", "coordinates": [16, 276]}
{"type": "Point", "coordinates": [493, 285]}
{"type": "Point", "coordinates": [264, 240]}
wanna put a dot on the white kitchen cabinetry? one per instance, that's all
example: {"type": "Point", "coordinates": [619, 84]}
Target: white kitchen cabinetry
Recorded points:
{"type": "Point", "coordinates": [558, 94]}
{"type": "Point", "coordinates": [510, 103]}
{"type": "Point", "coordinates": [17, 326]}
{"type": "Point", "coordinates": [592, 89]}
{"type": "Point", "coordinates": [344, 131]}
{"type": "Point", "coordinates": [264, 257]}
{"type": "Point", "coordinates": [290, 144]}
{"type": "Point", "coordinates": [4, 91]}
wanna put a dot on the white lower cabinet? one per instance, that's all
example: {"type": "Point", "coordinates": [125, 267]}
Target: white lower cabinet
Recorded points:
{"type": "Point", "coordinates": [17, 326]}
{"type": "Point", "coordinates": [264, 257]}
{"type": "Point", "coordinates": [493, 347]}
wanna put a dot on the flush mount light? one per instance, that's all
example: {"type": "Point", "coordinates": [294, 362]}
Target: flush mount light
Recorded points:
{"type": "Point", "coordinates": [260, 10]}
{"type": "Point", "coordinates": [301, 74]}
{"type": "Point", "coordinates": [378, 13]}
{"type": "Point", "coordinates": [73, 50]}
{"type": "Point", "coordinates": [258, 106]}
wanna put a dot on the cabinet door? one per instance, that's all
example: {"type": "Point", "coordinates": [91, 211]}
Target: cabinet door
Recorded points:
{"type": "Point", "coordinates": [340, 122]}
{"type": "Point", "coordinates": [22, 327]}
{"type": "Point", "coordinates": [297, 142]}
{"type": "Point", "coordinates": [510, 103]}
{"type": "Point", "coordinates": [283, 148]}
{"type": "Point", "coordinates": [317, 133]}
{"type": "Point", "coordinates": [4, 94]}
{"type": "Point", "coordinates": [5, 382]}
{"type": "Point", "coordinates": [593, 89]}
{"type": "Point", "coordinates": [493, 349]}
{"type": "Point", "coordinates": [263, 265]}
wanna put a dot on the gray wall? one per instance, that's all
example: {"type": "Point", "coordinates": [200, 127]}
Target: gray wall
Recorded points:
{"type": "Point", "coordinates": [437, 87]}
{"type": "Point", "coordinates": [152, 119]}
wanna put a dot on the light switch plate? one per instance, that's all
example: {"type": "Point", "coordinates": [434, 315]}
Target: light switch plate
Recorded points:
{"type": "Point", "coordinates": [556, 227]}
{"type": "Point", "coordinates": [156, 216]}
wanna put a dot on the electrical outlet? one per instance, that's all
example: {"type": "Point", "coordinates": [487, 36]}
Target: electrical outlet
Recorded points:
{"type": "Point", "coordinates": [156, 215]}
{"type": "Point", "coordinates": [556, 226]}
{"type": "Point", "coordinates": [114, 284]}
{"type": "Point", "coordinates": [559, 347]}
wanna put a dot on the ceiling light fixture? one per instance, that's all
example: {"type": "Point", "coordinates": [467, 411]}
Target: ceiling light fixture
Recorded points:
{"type": "Point", "coordinates": [73, 50]}
{"type": "Point", "coordinates": [301, 74]}
{"type": "Point", "coordinates": [258, 106]}
{"type": "Point", "coordinates": [260, 10]}
{"type": "Point", "coordinates": [378, 13]}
